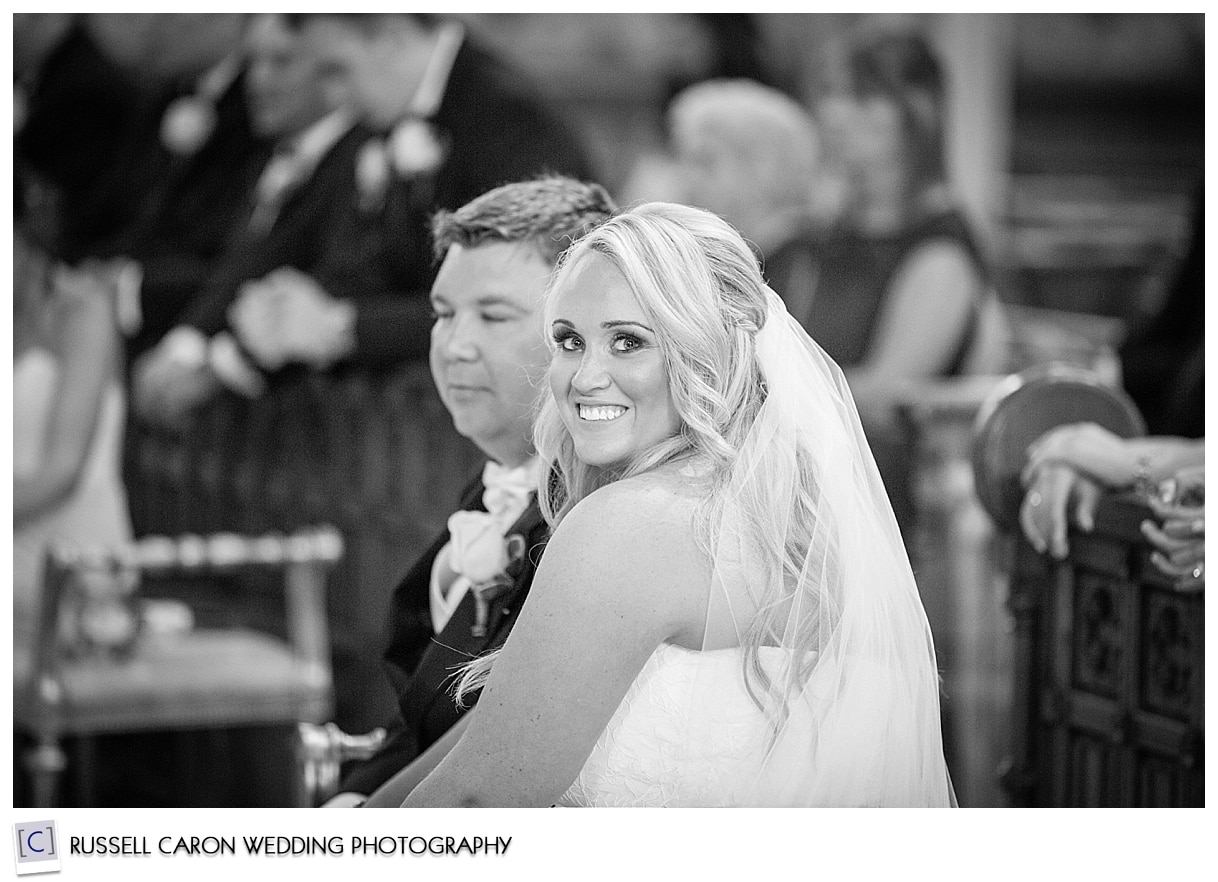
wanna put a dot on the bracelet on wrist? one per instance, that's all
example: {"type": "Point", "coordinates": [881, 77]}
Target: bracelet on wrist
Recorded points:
{"type": "Point", "coordinates": [1142, 483]}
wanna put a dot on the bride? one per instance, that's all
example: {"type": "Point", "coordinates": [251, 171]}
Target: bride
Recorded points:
{"type": "Point", "coordinates": [725, 614]}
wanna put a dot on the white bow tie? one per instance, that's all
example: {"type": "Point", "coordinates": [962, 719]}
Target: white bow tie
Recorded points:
{"type": "Point", "coordinates": [508, 489]}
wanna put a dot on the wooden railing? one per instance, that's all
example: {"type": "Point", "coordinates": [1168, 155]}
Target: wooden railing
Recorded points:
{"type": "Point", "coordinates": [1109, 673]}
{"type": "Point", "coordinates": [374, 455]}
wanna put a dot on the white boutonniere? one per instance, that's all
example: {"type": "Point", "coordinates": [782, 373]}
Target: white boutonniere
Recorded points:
{"type": "Point", "coordinates": [187, 124]}
{"type": "Point", "coordinates": [372, 173]}
{"type": "Point", "coordinates": [415, 148]}
{"type": "Point", "coordinates": [477, 548]}
{"type": "Point", "coordinates": [479, 551]}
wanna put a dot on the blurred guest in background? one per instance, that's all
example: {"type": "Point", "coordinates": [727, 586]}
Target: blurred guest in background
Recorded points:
{"type": "Point", "coordinates": [299, 223]}
{"type": "Point", "coordinates": [68, 413]}
{"type": "Point", "coordinates": [216, 154]}
{"type": "Point", "coordinates": [487, 354]}
{"type": "Point", "coordinates": [456, 123]}
{"type": "Point", "coordinates": [899, 290]}
{"type": "Point", "coordinates": [749, 153]}
{"type": "Point", "coordinates": [903, 291]}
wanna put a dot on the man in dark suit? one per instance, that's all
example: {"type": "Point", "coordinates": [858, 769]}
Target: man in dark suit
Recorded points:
{"type": "Point", "coordinates": [300, 221]}
{"type": "Point", "coordinates": [456, 122]}
{"type": "Point", "coordinates": [488, 354]}
{"type": "Point", "coordinates": [216, 152]}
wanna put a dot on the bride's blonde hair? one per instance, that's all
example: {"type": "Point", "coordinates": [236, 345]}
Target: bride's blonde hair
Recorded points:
{"type": "Point", "coordinates": [701, 288]}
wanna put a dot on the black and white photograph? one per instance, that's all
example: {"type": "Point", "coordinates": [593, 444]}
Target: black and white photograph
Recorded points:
{"type": "Point", "coordinates": [530, 410]}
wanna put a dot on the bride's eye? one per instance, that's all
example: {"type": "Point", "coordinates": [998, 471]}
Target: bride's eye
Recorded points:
{"type": "Point", "coordinates": [626, 343]}
{"type": "Point", "coordinates": [567, 341]}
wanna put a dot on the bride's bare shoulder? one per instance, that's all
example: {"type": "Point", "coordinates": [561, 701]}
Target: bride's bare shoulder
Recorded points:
{"type": "Point", "coordinates": [632, 545]}
{"type": "Point", "coordinates": [639, 523]}
{"type": "Point", "coordinates": [660, 499]}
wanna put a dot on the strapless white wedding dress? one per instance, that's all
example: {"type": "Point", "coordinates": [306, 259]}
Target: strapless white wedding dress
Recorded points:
{"type": "Point", "coordinates": [96, 509]}
{"type": "Point", "coordinates": [686, 734]}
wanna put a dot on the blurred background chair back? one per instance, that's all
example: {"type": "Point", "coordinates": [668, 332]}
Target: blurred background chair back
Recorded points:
{"type": "Point", "coordinates": [104, 662]}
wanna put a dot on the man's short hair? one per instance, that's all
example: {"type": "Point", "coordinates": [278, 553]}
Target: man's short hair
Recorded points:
{"type": "Point", "coordinates": [550, 212]}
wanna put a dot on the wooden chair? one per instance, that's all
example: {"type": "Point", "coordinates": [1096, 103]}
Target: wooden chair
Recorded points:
{"type": "Point", "coordinates": [1108, 679]}
{"type": "Point", "coordinates": [196, 679]}
{"type": "Point", "coordinates": [374, 454]}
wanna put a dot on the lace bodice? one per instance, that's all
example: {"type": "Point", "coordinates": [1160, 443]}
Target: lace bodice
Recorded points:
{"type": "Point", "coordinates": [686, 734]}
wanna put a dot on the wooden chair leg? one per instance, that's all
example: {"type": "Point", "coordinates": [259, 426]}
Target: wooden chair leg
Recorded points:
{"type": "Point", "coordinates": [321, 751]}
{"type": "Point", "coordinates": [317, 769]}
{"type": "Point", "coordinates": [45, 762]}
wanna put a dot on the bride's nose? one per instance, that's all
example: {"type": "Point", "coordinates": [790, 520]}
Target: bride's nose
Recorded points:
{"type": "Point", "coordinates": [592, 374]}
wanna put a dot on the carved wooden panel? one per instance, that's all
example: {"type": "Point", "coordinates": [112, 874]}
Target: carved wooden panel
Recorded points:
{"type": "Point", "coordinates": [1170, 676]}
{"type": "Point", "coordinates": [1100, 619]}
{"type": "Point", "coordinates": [1110, 665]}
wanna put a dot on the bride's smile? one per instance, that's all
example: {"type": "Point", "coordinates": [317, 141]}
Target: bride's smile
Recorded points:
{"type": "Point", "coordinates": [596, 413]}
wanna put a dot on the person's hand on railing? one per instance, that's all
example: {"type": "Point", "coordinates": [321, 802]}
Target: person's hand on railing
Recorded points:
{"type": "Point", "coordinates": [1057, 495]}
{"type": "Point", "coordinates": [1068, 469]}
{"type": "Point", "coordinates": [1070, 466]}
{"type": "Point", "coordinates": [1179, 538]}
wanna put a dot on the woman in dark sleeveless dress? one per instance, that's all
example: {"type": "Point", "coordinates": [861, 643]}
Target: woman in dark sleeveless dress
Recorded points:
{"type": "Point", "coordinates": [898, 290]}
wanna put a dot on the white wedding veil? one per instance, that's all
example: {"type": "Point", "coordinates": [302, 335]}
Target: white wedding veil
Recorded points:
{"type": "Point", "coordinates": [810, 575]}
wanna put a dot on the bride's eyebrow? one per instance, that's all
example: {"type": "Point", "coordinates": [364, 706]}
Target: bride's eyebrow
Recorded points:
{"type": "Point", "coordinates": [626, 324]}
{"type": "Point", "coordinates": [609, 325]}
